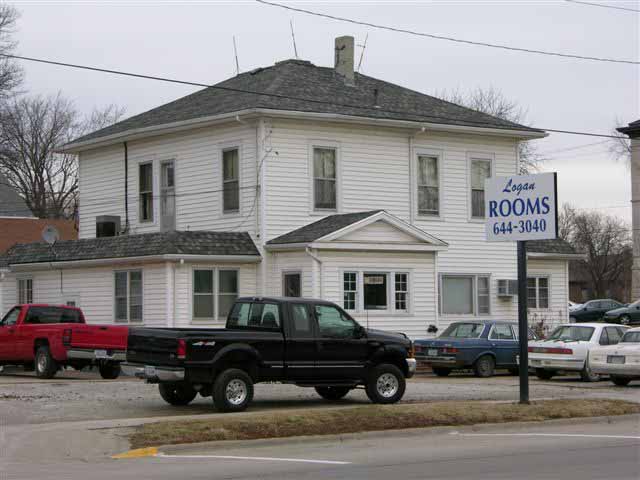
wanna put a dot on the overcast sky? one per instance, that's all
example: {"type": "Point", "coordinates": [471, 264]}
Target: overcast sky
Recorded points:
{"type": "Point", "coordinates": [193, 41]}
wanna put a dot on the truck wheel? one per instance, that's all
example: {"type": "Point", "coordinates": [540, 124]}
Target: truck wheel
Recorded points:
{"type": "Point", "coordinates": [543, 374]}
{"type": "Point", "coordinates": [46, 366]}
{"type": "Point", "coordinates": [232, 390]}
{"type": "Point", "coordinates": [109, 371]}
{"type": "Point", "coordinates": [177, 394]}
{"type": "Point", "coordinates": [386, 384]}
{"type": "Point", "coordinates": [332, 393]}
{"type": "Point", "coordinates": [485, 366]}
{"type": "Point", "coordinates": [620, 381]}
{"type": "Point", "coordinates": [441, 371]}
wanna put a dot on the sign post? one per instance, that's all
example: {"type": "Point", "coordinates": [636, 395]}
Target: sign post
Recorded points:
{"type": "Point", "coordinates": [521, 208]}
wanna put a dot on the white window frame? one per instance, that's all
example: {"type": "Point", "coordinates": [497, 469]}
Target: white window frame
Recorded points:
{"type": "Point", "coordinates": [235, 145]}
{"type": "Point", "coordinates": [356, 291]}
{"type": "Point", "coordinates": [390, 273]}
{"type": "Point", "coordinates": [327, 144]}
{"type": "Point", "coordinates": [128, 319]}
{"type": "Point", "coordinates": [537, 279]}
{"type": "Point", "coordinates": [284, 276]}
{"type": "Point", "coordinates": [482, 156]}
{"type": "Point", "coordinates": [439, 155]}
{"type": "Point", "coordinates": [154, 214]}
{"type": "Point", "coordinates": [474, 277]}
{"type": "Point", "coordinates": [216, 292]}
{"type": "Point", "coordinates": [19, 298]}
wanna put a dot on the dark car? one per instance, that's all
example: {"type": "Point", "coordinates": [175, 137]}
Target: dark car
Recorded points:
{"type": "Point", "coordinates": [629, 315]}
{"type": "Point", "coordinates": [593, 310]}
{"type": "Point", "coordinates": [482, 345]}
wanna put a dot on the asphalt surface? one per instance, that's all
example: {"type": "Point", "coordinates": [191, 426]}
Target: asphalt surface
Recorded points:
{"type": "Point", "coordinates": [579, 450]}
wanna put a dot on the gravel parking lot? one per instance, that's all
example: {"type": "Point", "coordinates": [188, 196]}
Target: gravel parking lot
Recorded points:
{"type": "Point", "coordinates": [76, 396]}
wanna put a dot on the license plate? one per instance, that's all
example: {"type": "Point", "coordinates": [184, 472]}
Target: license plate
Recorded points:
{"type": "Point", "coordinates": [149, 371]}
{"type": "Point", "coordinates": [618, 359]}
{"type": "Point", "coordinates": [432, 352]}
{"type": "Point", "coordinates": [101, 354]}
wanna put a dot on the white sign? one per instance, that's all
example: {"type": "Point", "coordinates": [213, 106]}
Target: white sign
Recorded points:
{"type": "Point", "coordinates": [521, 207]}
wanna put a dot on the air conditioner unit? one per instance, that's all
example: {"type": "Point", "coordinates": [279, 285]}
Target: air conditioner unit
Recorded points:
{"type": "Point", "coordinates": [107, 226]}
{"type": "Point", "coordinates": [507, 288]}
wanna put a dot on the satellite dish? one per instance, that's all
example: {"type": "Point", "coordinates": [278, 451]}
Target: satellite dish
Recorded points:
{"type": "Point", "coordinates": [50, 234]}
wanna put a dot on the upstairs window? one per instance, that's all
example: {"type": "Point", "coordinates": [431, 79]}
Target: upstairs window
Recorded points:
{"type": "Point", "coordinates": [230, 180]}
{"type": "Point", "coordinates": [480, 171]}
{"type": "Point", "coordinates": [25, 290]}
{"type": "Point", "coordinates": [146, 192]}
{"type": "Point", "coordinates": [324, 178]}
{"type": "Point", "coordinates": [428, 187]}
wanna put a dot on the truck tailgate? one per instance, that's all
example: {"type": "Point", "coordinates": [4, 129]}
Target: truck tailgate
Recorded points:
{"type": "Point", "coordinates": [154, 346]}
{"type": "Point", "coordinates": [104, 337]}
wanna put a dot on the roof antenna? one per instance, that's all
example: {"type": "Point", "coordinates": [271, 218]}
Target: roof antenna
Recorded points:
{"type": "Point", "coordinates": [293, 37]}
{"type": "Point", "coordinates": [235, 51]}
{"type": "Point", "coordinates": [363, 46]}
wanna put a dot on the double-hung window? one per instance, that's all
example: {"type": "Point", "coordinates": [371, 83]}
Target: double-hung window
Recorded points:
{"type": "Point", "coordinates": [230, 180]}
{"type": "Point", "coordinates": [25, 290]}
{"type": "Point", "coordinates": [167, 196]}
{"type": "Point", "coordinates": [428, 186]}
{"type": "Point", "coordinates": [324, 178]}
{"type": "Point", "coordinates": [538, 292]}
{"type": "Point", "coordinates": [128, 296]}
{"type": "Point", "coordinates": [350, 290]}
{"type": "Point", "coordinates": [371, 291]}
{"type": "Point", "coordinates": [464, 295]}
{"type": "Point", "coordinates": [145, 187]}
{"type": "Point", "coordinates": [214, 292]}
{"type": "Point", "coordinates": [480, 171]}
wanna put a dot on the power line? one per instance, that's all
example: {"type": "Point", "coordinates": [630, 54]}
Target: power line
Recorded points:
{"type": "Point", "coordinates": [594, 4]}
{"type": "Point", "coordinates": [447, 38]}
{"type": "Point", "coordinates": [576, 147]}
{"type": "Point", "coordinates": [282, 96]}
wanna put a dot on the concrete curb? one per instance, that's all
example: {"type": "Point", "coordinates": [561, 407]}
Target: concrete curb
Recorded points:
{"type": "Point", "coordinates": [412, 432]}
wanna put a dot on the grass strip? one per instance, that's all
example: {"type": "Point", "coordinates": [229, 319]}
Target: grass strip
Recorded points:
{"type": "Point", "coordinates": [369, 418]}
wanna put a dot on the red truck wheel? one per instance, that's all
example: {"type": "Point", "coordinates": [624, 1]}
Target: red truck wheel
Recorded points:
{"type": "Point", "coordinates": [46, 366]}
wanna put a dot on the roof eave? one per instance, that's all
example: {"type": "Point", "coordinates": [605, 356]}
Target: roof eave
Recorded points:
{"type": "Point", "coordinates": [556, 256]}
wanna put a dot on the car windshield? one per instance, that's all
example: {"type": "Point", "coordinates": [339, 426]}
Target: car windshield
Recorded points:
{"type": "Point", "coordinates": [631, 337]}
{"type": "Point", "coordinates": [463, 330]}
{"type": "Point", "coordinates": [572, 333]}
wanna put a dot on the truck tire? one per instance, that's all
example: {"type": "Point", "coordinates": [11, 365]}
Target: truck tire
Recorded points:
{"type": "Point", "coordinates": [485, 366]}
{"type": "Point", "coordinates": [332, 393]}
{"type": "Point", "coordinates": [109, 371]}
{"type": "Point", "coordinates": [543, 374]}
{"type": "Point", "coordinates": [45, 365]}
{"type": "Point", "coordinates": [177, 394]}
{"type": "Point", "coordinates": [620, 381]}
{"type": "Point", "coordinates": [232, 390]}
{"type": "Point", "coordinates": [386, 384]}
{"type": "Point", "coordinates": [441, 371]}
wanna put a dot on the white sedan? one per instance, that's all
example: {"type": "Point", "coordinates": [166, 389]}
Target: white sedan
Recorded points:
{"type": "Point", "coordinates": [621, 362]}
{"type": "Point", "coordinates": [567, 349]}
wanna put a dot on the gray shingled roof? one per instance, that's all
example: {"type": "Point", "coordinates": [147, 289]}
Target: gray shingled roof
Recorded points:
{"type": "Point", "coordinates": [310, 85]}
{"type": "Point", "coordinates": [11, 204]}
{"type": "Point", "coordinates": [551, 246]}
{"type": "Point", "coordinates": [186, 243]}
{"type": "Point", "coordinates": [319, 229]}
{"type": "Point", "coordinates": [633, 129]}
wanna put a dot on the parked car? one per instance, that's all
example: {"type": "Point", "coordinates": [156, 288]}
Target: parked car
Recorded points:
{"type": "Point", "coordinates": [567, 349]}
{"type": "Point", "coordinates": [48, 337]}
{"type": "Point", "coordinates": [593, 310]}
{"type": "Point", "coordinates": [482, 345]}
{"type": "Point", "coordinates": [310, 343]}
{"type": "Point", "coordinates": [629, 315]}
{"type": "Point", "coordinates": [573, 305]}
{"type": "Point", "coordinates": [622, 361]}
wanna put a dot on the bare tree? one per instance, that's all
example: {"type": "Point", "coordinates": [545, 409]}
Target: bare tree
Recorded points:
{"type": "Point", "coordinates": [606, 242]}
{"type": "Point", "coordinates": [11, 74]}
{"type": "Point", "coordinates": [493, 102]}
{"type": "Point", "coordinates": [31, 128]}
{"type": "Point", "coordinates": [620, 146]}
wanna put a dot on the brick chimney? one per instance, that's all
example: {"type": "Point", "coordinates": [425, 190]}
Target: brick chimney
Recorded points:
{"type": "Point", "coordinates": [344, 59]}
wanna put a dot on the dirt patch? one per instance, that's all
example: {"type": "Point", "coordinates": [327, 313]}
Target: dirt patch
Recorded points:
{"type": "Point", "coordinates": [369, 418]}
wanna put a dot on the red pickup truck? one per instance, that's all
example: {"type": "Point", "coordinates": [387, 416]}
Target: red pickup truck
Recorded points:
{"type": "Point", "coordinates": [48, 337]}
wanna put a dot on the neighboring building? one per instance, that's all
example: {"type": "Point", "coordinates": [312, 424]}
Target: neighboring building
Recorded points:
{"type": "Point", "coordinates": [340, 186]}
{"type": "Point", "coordinates": [12, 204]}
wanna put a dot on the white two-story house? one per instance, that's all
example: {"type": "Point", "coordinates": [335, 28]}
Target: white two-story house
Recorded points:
{"type": "Point", "coordinates": [293, 180]}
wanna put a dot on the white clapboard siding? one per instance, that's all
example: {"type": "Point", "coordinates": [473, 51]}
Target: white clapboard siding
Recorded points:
{"type": "Point", "coordinates": [558, 312]}
{"type": "Point", "coordinates": [378, 232]}
{"type": "Point", "coordinates": [198, 180]}
{"type": "Point", "coordinates": [295, 261]}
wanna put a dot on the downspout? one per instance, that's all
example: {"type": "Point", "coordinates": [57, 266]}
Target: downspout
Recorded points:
{"type": "Point", "coordinates": [309, 252]}
{"type": "Point", "coordinates": [126, 188]}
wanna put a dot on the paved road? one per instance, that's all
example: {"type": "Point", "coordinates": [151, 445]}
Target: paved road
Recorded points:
{"type": "Point", "coordinates": [576, 450]}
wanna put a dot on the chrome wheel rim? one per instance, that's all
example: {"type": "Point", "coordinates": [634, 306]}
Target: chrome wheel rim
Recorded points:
{"type": "Point", "coordinates": [387, 385]}
{"type": "Point", "coordinates": [236, 391]}
{"type": "Point", "coordinates": [624, 320]}
{"type": "Point", "coordinates": [42, 363]}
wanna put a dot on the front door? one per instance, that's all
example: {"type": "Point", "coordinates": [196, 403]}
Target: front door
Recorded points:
{"type": "Point", "coordinates": [342, 345]}
{"type": "Point", "coordinates": [8, 335]}
{"type": "Point", "coordinates": [301, 350]}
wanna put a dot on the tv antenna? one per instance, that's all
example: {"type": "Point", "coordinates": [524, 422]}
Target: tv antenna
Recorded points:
{"type": "Point", "coordinates": [293, 37]}
{"type": "Point", "coordinates": [50, 235]}
{"type": "Point", "coordinates": [363, 46]}
{"type": "Point", "coordinates": [235, 51]}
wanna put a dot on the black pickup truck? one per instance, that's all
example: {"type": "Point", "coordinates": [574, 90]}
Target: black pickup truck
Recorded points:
{"type": "Point", "coordinates": [310, 343]}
